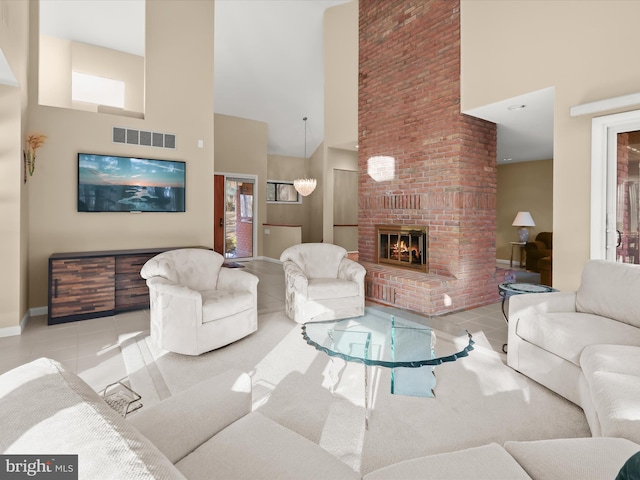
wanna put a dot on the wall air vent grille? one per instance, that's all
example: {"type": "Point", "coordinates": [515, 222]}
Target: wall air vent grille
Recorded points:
{"type": "Point", "coordinates": [144, 138]}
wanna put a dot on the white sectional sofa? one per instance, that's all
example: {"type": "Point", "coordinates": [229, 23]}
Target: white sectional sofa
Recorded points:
{"type": "Point", "coordinates": [209, 432]}
{"type": "Point", "coordinates": [585, 345]}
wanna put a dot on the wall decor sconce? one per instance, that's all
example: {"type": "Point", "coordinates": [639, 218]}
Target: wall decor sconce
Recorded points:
{"type": "Point", "coordinates": [34, 142]}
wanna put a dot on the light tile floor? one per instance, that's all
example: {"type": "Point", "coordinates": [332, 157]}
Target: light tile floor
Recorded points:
{"type": "Point", "coordinates": [90, 347]}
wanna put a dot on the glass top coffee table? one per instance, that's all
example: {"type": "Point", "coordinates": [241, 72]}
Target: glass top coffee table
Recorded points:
{"type": "Point", "coordinates": [405, 343]}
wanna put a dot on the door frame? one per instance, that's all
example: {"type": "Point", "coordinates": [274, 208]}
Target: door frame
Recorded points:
{"type": "Point", "coordinates": [254, 179]}
{"type": "Point", "coordinates": [604, 160]}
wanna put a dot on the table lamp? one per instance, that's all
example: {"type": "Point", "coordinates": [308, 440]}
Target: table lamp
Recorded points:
{"type": "Point", "coordinates": [523, 220]}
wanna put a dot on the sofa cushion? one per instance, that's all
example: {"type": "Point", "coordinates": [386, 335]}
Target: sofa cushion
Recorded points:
{"type": "Point", "coordinates": [256, 447]}
{"type": "Point", "coordinates": [47, 410]}
{"type": "Point", "coordinates": [322, 289]}
{"type": "Point", "coordinates": [488, 462]}
{"type": "Point", "coordinates": [613, 375]}
{"type": "Point", "coordinates": [566, 334]}
{"type": "Point", "coordinates": [580, 458]}
{"type": "Point", "coordinates": [610, 358]}
{"type": "Point", "coordinates": [607, 289]}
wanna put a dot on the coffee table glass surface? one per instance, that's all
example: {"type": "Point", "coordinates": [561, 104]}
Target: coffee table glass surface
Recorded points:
{"type": "Point", "coordinates": [384, 337]}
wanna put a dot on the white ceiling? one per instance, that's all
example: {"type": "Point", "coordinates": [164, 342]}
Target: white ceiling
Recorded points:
{"type": "Point", "coordinates": [524, 134]}
{"type": "Point", "coordinates": [269, 67]}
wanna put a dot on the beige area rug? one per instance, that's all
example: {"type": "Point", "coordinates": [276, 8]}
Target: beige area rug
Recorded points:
{"type": "Point", "coordinates": [478, 399]}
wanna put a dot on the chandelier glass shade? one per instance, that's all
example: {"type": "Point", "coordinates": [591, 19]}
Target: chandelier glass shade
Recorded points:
{"type": "Point", "coordinates": [305, 186]}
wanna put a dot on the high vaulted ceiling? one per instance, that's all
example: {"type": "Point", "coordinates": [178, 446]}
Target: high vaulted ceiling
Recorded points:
{"type": "Point", "coordinates": [269, 67]}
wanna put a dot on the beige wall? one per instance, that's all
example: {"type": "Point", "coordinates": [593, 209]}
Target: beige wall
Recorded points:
{"type": "Point", "coordinates": [277, 238]}
{"type": "Point", "coordinates": [280, 167]}
{"type": "Point", "coordinates": [179, 59]}
{"type": "Point", "coordinates": [581, 49]}
{"type": "Point", "coordinates": [341, 75]}
{"type": "Point", "coordinates": [340, 112]}
{"type": "Point", "coordinates": [14, 42]}
{"type": "Point", "coordinates": [528, 187]}
{"type": "Point", "coordinates": [241, 148]}
{"type": "Point", "coordinates": [60, 57]}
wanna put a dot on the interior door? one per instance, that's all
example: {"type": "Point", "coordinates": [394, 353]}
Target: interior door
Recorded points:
{"type": "Point", "coordinates": [218, 214]}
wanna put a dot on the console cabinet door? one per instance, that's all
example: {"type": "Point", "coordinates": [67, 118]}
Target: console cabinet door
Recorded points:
{"type": "Point", "coordinates": [132, 292]}
{"type": "Point", "coordinates": [81, 288]}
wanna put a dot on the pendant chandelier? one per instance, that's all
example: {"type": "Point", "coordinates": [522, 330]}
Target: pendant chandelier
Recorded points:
{"type": "Point", "coordinates": [305, 186]}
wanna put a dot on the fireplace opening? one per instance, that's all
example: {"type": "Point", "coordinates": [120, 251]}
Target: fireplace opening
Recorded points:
{"type": "Point", "coordinates": [404, 246]}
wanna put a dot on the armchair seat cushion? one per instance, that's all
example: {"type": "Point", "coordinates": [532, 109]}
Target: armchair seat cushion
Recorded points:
{"type": "Point", "coordinates": [217, 304]}
{"type": "Point", "coordinates": [324, 288]}
{"type": "Point", "coordinates": [566, 334]}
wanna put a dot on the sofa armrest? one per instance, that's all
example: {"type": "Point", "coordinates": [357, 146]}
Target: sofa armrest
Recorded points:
{"type": "Point", "coordinates": [181, 423]}
{"type": "Point", "coordinates": [295, 278]}
{"type": "Point", "coordinates": [531, 303]}
{"type": "Point", "coordinates": [234, 279]}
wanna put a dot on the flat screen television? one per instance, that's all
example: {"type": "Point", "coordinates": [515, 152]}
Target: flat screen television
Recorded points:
{"type": "Point", "coordinates": [109, 183]}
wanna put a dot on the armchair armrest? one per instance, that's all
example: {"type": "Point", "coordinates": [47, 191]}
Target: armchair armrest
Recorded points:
{"type": "Point", "coordinates": [234, 279]}
{"type": "Point", "coordinates": [178, 301]}
{"type": "Point", "coordinates": [181, 423]}
{"type": "Point", "coordinates": [295, 278]}
{"type": "Point", "coordinates": [166, 287]}
{"type": "Point", "coordinates": [353, 271]}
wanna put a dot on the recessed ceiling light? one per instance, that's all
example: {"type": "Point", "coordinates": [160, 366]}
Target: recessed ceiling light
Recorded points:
{"type": "Point", "coordinates": [517, 107]}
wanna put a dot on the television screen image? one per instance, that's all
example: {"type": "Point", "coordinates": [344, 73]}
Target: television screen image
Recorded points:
{"type": "Point", "coordinates": [108, 183]}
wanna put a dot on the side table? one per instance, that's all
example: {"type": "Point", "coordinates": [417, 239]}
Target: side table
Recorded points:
{"type": "Point", "coordinates": [508, 289]}
{"type": "Point", "coordinates": [514, 245]}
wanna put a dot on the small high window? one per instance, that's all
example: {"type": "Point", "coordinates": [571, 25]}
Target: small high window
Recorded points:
{"type": "Point", "coordinates": [97, 90]}
{"type": "Point", "coordinates": [282, 192]}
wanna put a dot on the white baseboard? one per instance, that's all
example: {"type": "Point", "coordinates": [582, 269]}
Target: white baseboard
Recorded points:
{"type": "Point", "coordinates": [18, 329]}
{"type": "Point", "coordinates": [10, 331]}
{"type": "Point", "coordinates": [268, 259]}
{"type": "Point", "coordinates": [34, 312]}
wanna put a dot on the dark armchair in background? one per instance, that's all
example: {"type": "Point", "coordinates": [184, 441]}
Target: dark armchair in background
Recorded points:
{"type": "Point", "coordinates": [538, 249]}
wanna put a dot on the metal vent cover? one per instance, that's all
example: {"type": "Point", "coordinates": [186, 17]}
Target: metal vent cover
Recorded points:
{"type": "Point", "coordinates": [143, 137]}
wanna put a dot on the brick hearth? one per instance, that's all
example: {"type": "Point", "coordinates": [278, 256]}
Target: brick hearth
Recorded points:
{"type": "Point", "coordinates": [422, 162]}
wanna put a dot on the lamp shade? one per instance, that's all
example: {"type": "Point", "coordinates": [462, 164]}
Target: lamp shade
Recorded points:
{"type": "Point", "coordinates": [523, 219]}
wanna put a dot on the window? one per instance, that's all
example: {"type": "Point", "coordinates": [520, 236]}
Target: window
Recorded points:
{"type": "Point", "coordinates": [282, 192]}
{"type": "Point", "coordinates": [97, 90]}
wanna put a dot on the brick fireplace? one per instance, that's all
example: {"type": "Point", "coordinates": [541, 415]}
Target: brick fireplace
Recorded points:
{"type": "Point", "coordinates": [421, 162]}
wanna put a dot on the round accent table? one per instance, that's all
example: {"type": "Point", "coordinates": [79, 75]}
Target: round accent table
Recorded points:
{"type": "Point", "coordinates": [508, 289]}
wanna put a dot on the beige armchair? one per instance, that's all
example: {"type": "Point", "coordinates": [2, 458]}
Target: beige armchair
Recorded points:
{"type": "Point", "coordinates": [322, 283]}
{"type": "Point", "coordinates": [196, 305]}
